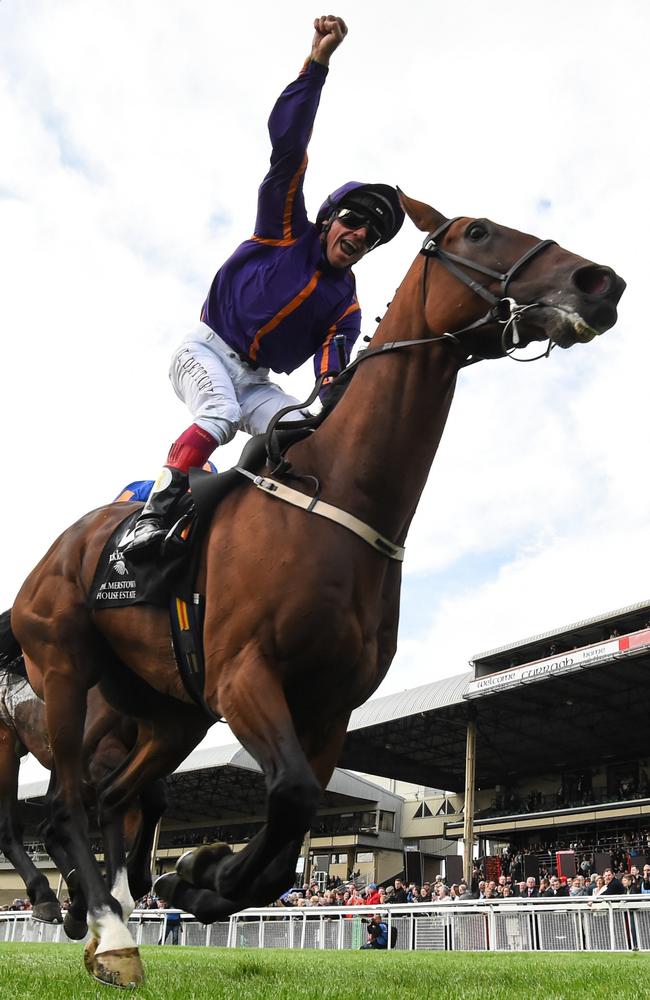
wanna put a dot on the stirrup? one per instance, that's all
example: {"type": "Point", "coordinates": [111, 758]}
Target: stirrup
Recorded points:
{"type": "Point", "coordinates": [173, 543]}
{"type": "Point", "coordinates": [140, 549]}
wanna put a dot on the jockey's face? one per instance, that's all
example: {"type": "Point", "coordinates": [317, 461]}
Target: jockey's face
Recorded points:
{"type": "Point", "coordinates": [344, 247]}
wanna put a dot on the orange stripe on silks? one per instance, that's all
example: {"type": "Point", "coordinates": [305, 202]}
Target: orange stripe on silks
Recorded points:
{"type": "Point", "coordinates": [327, 343]}
{"type": "Point", "coordinates": [273, 243]}
{"type": "Point", "coordinates": [282, 314]}
{"type": "Point", "coordinates": [124, 496]}
{"type": "Point", "coordinates": [181, 612]}
{"type": "Point", "coordinates": [353, 307]}
{"type": "Point", "coordinates": [291, 194]}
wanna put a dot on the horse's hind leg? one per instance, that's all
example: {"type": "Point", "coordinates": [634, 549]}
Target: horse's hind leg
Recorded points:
{"type": "Point", "coordinates": [140, 836]}
{"type": "Point", "coordinates": [74, 918]}
{"type": "Point", "coordinates": [45, 905]}
{"type": "Point", "coordinates": [112, 956]}
{"type": "Point", "coordinates": [135, 792]}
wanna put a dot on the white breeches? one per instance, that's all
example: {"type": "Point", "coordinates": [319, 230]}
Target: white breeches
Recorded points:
{"type": "Point", "coordinates": [222, 392]}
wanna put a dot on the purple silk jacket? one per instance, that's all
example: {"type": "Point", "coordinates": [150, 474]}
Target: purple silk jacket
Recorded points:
{"type": "Point", "coordinates": [276, 300]}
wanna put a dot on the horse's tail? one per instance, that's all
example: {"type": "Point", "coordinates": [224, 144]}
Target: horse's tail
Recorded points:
{"type": "Point", "coordinates": [11, 655]}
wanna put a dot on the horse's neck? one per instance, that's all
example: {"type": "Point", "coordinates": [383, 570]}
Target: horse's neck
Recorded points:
{"type": "Point", "coordinates": [376, 448]}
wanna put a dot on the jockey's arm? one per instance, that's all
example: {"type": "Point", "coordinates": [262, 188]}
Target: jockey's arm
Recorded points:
{"type": "Point", "coordinates": [281, 213]}
{"type": "Point", "coordinates": [349, 325]}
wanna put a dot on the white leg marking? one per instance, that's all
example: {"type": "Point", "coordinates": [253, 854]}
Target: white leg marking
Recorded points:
{"type": "Point", "coordinates": [109, 930]}
{"type": "Point", "coordinates": [121, 892]}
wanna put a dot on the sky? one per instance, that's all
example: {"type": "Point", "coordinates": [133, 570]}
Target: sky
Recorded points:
{"type": "Point", "coordinates": [133, 142]}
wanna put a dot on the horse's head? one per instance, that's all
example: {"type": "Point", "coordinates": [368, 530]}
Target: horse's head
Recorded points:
{"type": "Point", "coordinates": [534, 289]}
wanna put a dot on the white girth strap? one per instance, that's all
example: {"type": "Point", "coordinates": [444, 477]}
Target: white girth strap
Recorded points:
{"type": "Point", "coordinates": [312, 506]}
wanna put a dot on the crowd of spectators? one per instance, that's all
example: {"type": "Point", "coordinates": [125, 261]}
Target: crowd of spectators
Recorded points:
{"type": "Point", "coordinates": [623, 847]}
{"type": "Point", "coordinates": [634, 882]}
{"type": "Point", "coordinates": [18, 904]}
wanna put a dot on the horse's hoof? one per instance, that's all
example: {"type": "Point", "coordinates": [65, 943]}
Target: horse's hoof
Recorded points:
{"type": "Point", "coordinates": [75, 929]}
{"type": "Point", "coordinates": [47, 913]}
{"type": "Point", "coordinates": [165, 887]}
{"type": "Point", "coordinates": [121, 967]}
{"type": "Point", "coordinates": [89, 953]}
{"type": "Point", "coordinates": [199, 866]}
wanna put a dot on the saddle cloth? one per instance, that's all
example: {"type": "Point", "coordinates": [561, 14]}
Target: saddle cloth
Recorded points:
{"type": "Point", "coordinates": [14, 690]}
{"type": "Point", "coordinates": [170, 583]}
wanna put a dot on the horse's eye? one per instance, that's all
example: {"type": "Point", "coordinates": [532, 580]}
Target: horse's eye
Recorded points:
{"type": "Point", "coordinates": [476, 232]}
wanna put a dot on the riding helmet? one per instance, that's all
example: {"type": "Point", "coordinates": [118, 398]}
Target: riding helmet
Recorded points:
{"type": "Point", "coordinates": [379, 201]}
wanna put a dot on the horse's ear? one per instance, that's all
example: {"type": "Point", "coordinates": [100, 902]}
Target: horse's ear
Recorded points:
{"type": "Point", "coordinates": [421, 214]}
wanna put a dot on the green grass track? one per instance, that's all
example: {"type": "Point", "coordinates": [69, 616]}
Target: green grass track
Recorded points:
{"type": "Point", "coordinates": [55, 972]}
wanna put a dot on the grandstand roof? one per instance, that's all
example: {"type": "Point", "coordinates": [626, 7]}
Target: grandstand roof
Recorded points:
{"type": "Point", "coordinates": [425, 698]}
{"type": "Point", "coordinates": [541, 719]}
{"type": "Point", "coordinates": [626, 619]}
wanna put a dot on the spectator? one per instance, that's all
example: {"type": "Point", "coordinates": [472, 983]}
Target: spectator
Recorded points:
{"type": "Point", "coordinates": [613, 886]}
{"type": "Point", "coordinates": [172, 925]}
{"type": "Point", "coordinates": [399, 895]}
{"type": "Point", "coordinates": [556, 888]}
{"type": "Point", "coordinates": [377, 933]}
{"type": "Point", "coordinates": [372, 895]}
{"type": "Point", "coordinates": [628, 888]}
{"type": "Point", "coordinates": [598, 886]}
{"type": "Point", "coordinates": [531, 890]}
{"type": "Point", "coordinates": [577, 887]}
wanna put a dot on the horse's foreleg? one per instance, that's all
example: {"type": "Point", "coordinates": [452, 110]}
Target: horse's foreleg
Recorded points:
{"type": "Point", "coordinates": [45, 905]}
{"type": "Point", "coordinates": [253, 701]}
{"type": "Point", "coordinates": [280, 874]}
{"type": "Point", "coordinates": [198, 888]}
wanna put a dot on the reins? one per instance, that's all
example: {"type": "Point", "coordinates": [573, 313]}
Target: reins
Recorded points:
{"type": "Point", "coordinates": [504, 311]}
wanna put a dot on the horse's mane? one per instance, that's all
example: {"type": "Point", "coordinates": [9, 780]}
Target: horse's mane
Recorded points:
{"type": "Point", "coordinates": [11, 655]}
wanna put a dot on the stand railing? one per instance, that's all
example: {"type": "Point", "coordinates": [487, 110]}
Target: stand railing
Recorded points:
{"type": "Point", "coordinates": [581, 924]}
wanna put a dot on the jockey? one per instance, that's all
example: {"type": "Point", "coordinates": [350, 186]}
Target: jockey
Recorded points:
{"type": "Point", "coordinates": [281, 298]}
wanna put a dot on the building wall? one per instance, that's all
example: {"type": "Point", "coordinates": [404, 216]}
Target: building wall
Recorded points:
{"type": "Point", "coordinates": [12, 887]}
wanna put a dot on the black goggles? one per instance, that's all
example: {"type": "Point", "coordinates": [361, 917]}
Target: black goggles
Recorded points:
{"type": "Point", "coordinates": [352, 219]}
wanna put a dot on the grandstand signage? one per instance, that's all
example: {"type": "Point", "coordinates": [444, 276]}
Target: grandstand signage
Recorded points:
{"type": "Point", "coordinates": [565, 663]}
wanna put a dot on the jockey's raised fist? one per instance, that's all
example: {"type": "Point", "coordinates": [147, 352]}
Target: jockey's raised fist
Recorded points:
{"type": "Point", "coordinates": [329, 32]}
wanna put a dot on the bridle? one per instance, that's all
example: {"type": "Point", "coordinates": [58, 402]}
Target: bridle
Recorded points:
{"type": "Point", "coordinates": [503, 310]}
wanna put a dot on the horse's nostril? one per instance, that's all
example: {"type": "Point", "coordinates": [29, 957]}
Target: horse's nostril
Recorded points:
{"type": "Point", "coordinates": [593, 280]}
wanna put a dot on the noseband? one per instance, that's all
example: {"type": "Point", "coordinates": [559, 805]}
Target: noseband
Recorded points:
{"type": "Point", "coordinates": [503, 309]}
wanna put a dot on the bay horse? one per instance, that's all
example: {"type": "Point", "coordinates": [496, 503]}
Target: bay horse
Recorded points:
{"type": "Point", "coordinates": [294, 602]}
{"type": "Point", "coordinates": [108, 738]}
